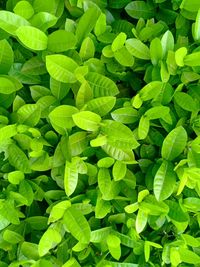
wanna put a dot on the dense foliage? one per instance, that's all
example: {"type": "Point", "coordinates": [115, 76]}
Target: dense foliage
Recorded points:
{"type": "Point", "coordinates": [99, 133]}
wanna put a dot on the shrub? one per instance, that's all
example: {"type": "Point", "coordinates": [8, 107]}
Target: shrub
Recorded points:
{"type": "Point", "coordinates": [99, 133]}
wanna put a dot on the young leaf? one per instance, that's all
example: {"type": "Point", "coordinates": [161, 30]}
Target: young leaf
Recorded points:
{"type": "Point", "coordinates": [86, 23]}
{"type": "Point", "coordinates": [60, 41]}
{"type": "Point", "coordinates": [70, 178]}
{"type": "Point", "coordinates": [61, 118]}
{"type": "Point", "coordinates": [118, 42]}
{"type": "Point", "coordinates": [167, 42]}
{"type": "Point", "coordinates": [143, 127]}
{"type": "Point", "coordinates": [24, 9]}
{"type": "Point", "coordinates": [77, 225]}
{"type": "Point", "coordinates": [58, 210]}
{"type": "Point", "coordinates": [87, 120]}
{"type": "Point", "coordinates": [156, 52]}
{"type": "Point", "coordinates": [119, 170]}
{"type": "Point", "coordinates": [18, 159]}
{"type": "Point", "coordinates": [113, 243]}
{"type": "Point", "coordinates": [118, 135]}
{"type": "Point", "coordinates": [125, 115]}
{"type": "Point", "coordinates": [192, 60]}
{"type": "Point", "coordinates": [174, 143]}
{"type": "Point", "coordinates": [141, 221]}
{"type": "Point", "coordinates": [101, 105]}
{"type": "Point", "coordinates": [6, 56]}
{"type": "Point", "coordinates": [49, 240]}
{"type": "Point", "coordinates": [164, 181]}
{"type": "Point", "coordinates": [140, 9]}
{"type": "Point", "coordinates": [61, 68]}
{"type": "Point", "coordinates": [32, 38]}
{"type": "Point", "coordinates": [29, 114]}
{"type": "Point", "coordinates": [10, 22]}
{"type": "Point", "coordinates": [138, 49]}
{"type": "Point", "coordinates": [101, 85]}
{"type": "Point", "coordinates": [185, 101]}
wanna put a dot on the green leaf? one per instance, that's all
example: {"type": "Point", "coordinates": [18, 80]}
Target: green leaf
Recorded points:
{"type": "Point", "coordinates": [174, 143]}
{"type": "Point", "coordinates": [6, 57]}
{"type": "Point", "coordinates": [30, 250]}
{"type": "Point", "coordinates": [157, 112]}
{"type": "Point", "coordinates": [10, 22]}
{"type": "Point", "coordinates": [86, 23]}
{"type": "Point", "coordinates": [15, 177]}
{"type": "Point", "coordinates": [43, 20]}
{"type": "Point", "coordinates": [192, 204]}
{"type": "Point", "coordinates": [61, 118]}
{"type": "Point", "coordinates": [151, 90]}
{"type": "Point", "coordinates": [32, 38]}
{"type": "Point", "coordinates": [6, 85]}
{"type": "Point", "coordinates": [18, 159]}
{"type": "Point", "coordinates": [143, 127]}
{"type": "Point", "coordinates": [164, 181]}
{"type": "Point", "coordinates": [176, 213]}
{"type": "Point", "coordinates": [138, 49]}
{"type": "Point", "coordinates": [49, 240]}
{"type": "Point", "coordinates": [192, 60]}
{"type": "Point", "coordinates": [34, 66]}
{"type": "Point", "coordinates": [24, 9]}
{"type": "Point", "coordinates": [113, 243]}
{"type": "Point", "coordinates": [57, 41]}
{"type": "Point", "coordinates": [84, 94]}
{"type": "Point", "coordinates": [101, 105]}
{"type": "Point", "coordinates": [29, 114]}
{"type": "Point", "coordinates": [118, 42]}
{"type": "Point", "coordinates": [141, 221]}
{"type": "Point", "coordinates": [100, 26]}
{"type": "Point", "coordinates": [70, 178]}
{"type": "Point", "coordinates": [190, 6]}
{"type": "Point", "coordinates": [140, 9]}
{"type": "Point", "coordinates": [78, 143]}
{"type": "Point", "coordinates": [108, 188]}
{"type": "Point", "coordinates": [100, 235]}
{"type": "Point", "coordinates": [72, 262]}
{"type": "Point", "coordinates": [124, 57]}
{"type": "Point", "coordinates": [119, 170]}
{"type": "Point", "coordinates": [87, 120]}
{"type": "Point", "coordinates": [196, 27]}
{"type": "Point", "coordinates": [8, 132]}
{"type": "Point", "coordinates": [61, 68]}
{"type": "Point", "coordinates": [185, 101]}
{"type": "Point", "coordinates": [126, 115]}
{"type": "Point", "coordinates": [102, 208]}
{"type": "Point", "coordinates": [12, 237]}
{"type": "Point", "coordinates": [156, 52]}
{"type": "Point", "coordinates": [190, 240]}
{"type": "Point", "coordinates": [87, 49]}
{"type": "Point", "coordinates": [189, 256]}
{"type": "Point", "coordinates": [118, 135]}
{"type": "Point", "coordinates": [167, 42]}
{"type": "Point", "coordinates": [77, 225]}
{"type": "Point", "coordinates": [58, 210]}
{"type": "Point", "coordinates": [101, 85]}
{"type": "Point", "coordinates": [125, 155]}
{"type": "Point", "coordinates": [180, 56]}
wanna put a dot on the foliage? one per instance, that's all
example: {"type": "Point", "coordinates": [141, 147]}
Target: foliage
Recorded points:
{"type": "Point", "coordinates": [99, 133]}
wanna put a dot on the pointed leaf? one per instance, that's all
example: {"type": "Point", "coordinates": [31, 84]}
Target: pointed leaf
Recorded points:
{"type": "Point", "coordinates": [61, 68]}
{"type": "Point", "coordinates": [101, 85]}
{"type": "Point", "coordinates": [164, 181]}
{"type": "Point", "coordinates": [174, 143]}
{"type": "Point", "coordinates": [87, 120]}
{"type": "Point", "coordinates": [77, 225]}
{"type": "Point", "coordinates": [32, 38]}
